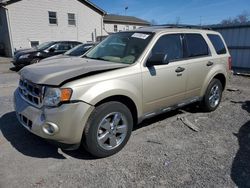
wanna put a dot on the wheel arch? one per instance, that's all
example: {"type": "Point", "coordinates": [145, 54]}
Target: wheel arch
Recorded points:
{"type": "Point", "coordinates": [221, 76]}
{"type": "Point", "coordinates": [127, 101]}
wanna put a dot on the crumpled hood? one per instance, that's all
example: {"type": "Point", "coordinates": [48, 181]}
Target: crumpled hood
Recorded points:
{"type": "Point", "coordinates": [54, 72]}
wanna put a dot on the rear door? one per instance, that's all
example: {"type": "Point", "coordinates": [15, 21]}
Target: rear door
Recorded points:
{"type": "Point", "coordinates": [165, 85]}
{"type": "Point", "coordinates": [199, 62]}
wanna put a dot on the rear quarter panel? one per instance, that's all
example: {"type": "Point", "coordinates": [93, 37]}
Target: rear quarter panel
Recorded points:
{"type": "Point", "coordinates": [221, 62]}
{"type": "Point", "coordinates": [220, 67]}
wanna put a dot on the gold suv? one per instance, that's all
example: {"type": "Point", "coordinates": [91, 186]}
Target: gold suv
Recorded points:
{"type": "Point", "coordinates": [95, 100]}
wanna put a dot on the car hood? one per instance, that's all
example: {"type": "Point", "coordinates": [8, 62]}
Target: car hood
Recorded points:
{"type": "Point", "coordinates": [60, 56]}
{"type": "Point", "coordinates": [20, 50]}
{"type": "Point", "coordinates": [55, 72]}
{"type": "Point", "coordinates": [25, 51]}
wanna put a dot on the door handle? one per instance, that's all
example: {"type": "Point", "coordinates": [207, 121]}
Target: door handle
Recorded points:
{"type": "Point", "coordinates": [210, 63]}
{"type": "Point", "coordinates": [179, 69]}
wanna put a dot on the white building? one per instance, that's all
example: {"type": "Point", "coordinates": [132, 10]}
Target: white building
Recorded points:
{"type": "Point", "coordinates": [26, 23]}
{"type": "Point", "coordinates": [115, 23]}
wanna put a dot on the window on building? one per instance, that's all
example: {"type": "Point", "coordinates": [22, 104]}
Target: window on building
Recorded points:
{"type": "Point", "coordinates": [217, 43]}
{"type": "Point", "coordinates": [170, 45]}
{"type": "Point", "coordinates": [115, 28]}
{"type": "Point", "coordinates": [196, 45]}
{"type": "Point", "coordinates": [34, 44]}
{"type": "Point", "coordinates": [134, 27]}
{"type": "Point", "coordinates": [52, 18]}
{"type": "Point", "coordinates": [127, 27]}
{"type": "Point", "coordinates": [71, 19]}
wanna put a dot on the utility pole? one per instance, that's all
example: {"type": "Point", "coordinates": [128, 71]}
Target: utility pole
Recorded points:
{"type": "Point", "coordinates": [126, 8]}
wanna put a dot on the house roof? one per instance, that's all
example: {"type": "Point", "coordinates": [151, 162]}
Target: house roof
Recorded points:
{"type": "Point", "coordinates": [113, 18]}
{"type": "Point", "coordinates": [86, 2]}
{"type": "Point", "coordinates": [93, 6]}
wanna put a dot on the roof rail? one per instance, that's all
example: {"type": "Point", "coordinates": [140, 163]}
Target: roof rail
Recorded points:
{"type": "Point", "coordinates": [182, 26]}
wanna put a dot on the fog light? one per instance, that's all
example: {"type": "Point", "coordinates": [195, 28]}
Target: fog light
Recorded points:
{"type": "Point", "coordinates": [50, 128]}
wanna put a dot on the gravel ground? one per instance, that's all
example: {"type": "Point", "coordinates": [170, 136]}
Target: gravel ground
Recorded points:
{"type": "Point", "coordinates": [162, 152]}
{"type": "Point", "coordinates": [5, 60]}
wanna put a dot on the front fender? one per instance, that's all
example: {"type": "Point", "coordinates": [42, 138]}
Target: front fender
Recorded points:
{"type": "Point", "coordinates": [102, 90]}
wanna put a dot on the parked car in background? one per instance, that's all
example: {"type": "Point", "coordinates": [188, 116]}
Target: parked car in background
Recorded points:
{"type": "Point", "coordinates": [36, 54]}
{"type": "Point", "coordinates": [77, 51]}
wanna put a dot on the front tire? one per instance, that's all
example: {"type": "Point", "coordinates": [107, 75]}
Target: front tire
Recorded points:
{"type": "Point", "coordinates": [34, 61]}
{"type": "Point", "coordinates": [212, 96]}
{"type": "Point", "coordinates": [108, 129]}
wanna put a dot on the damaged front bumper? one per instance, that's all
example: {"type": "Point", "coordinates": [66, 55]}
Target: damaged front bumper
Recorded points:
{"type": "Point", "coordinates": [63, 124]}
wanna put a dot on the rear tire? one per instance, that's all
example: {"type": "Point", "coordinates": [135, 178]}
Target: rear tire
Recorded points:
{"type": "Point", "coordinates": [108, 129]}
{"type": "Point", "coordinates": [212, 96]}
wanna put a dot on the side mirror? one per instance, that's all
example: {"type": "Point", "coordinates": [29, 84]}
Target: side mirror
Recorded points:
{"type": "Point", "coordinates": [157, 59]}
{"type": "Point", "coordinates": [52, 50]}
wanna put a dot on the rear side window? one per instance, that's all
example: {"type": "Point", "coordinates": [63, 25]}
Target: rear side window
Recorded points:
{"type": "Point", "coordinates": [61, 47]}
{"type": "Point", "coordinates": [217, 43]}
{"type": "Point", "coordinates": [73, 44]}
{"type": "Point", "coordinates": [170, 45]}
{"type": "Point", "coordinates": [196, 45]}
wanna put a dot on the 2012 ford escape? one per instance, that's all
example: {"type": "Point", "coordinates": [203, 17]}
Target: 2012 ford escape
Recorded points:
{"type": "Point", "coordinates": [130, 76]}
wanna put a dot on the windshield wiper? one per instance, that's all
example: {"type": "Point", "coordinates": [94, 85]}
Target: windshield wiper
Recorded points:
{"type": "Point", "coordinates": [96, 58]}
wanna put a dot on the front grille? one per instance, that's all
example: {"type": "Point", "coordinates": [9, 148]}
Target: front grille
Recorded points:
{"type": "Point", "coordinates": [25, 121]}
{"type": "Point", "coordinates": [31, 92]}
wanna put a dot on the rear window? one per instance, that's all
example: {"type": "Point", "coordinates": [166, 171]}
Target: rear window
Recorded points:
{"type": "Point", "coordinates": [217, 43]}
{"type": "Point", "coordinates": [196, 45]}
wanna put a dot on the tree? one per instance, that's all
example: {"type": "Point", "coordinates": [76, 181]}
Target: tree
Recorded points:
{"type": "Point", "coordinates": [178, 20]}
{"type": "Point", "coordinates": [153, 22]}
{"type": "Point", "coordinates": [227, 21]}
{"type": "Point", "coordinates": [241, 18]}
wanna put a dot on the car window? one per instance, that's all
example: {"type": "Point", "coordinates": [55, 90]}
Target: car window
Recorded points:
{"type": "Point", "coordinates": [44, 46]}
{"type": "Point", "coordinates": [74, 44]}
{"type": "Point", "coordinates": [196, 45]}
{"type": "Point", "coordinates": [122, 47]}
{"type": "Point", "coordinates": [171, 45]}
{"type": "Point", "coordinates": [62, 47]}
{"type": "Point", "coordinates": [217, 43]}
{"type": "Point", "coordinates": [79, 50]}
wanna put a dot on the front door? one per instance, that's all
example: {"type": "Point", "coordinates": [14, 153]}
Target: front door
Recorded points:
{"type": "Point", "coordinates": [165, 85]}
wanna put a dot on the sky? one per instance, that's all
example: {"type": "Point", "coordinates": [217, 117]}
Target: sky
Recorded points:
{"type": "Point", "coordinates": [202, 12]}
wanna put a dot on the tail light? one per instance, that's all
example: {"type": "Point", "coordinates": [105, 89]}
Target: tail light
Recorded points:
{"type": "Point", "coordinates": [230, 63]}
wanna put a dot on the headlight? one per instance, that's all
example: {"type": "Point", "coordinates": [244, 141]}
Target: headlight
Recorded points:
{"type": "Point", "coordinates": [54, 96]}
{"type": "Point", "coordinates": [24, 56]}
